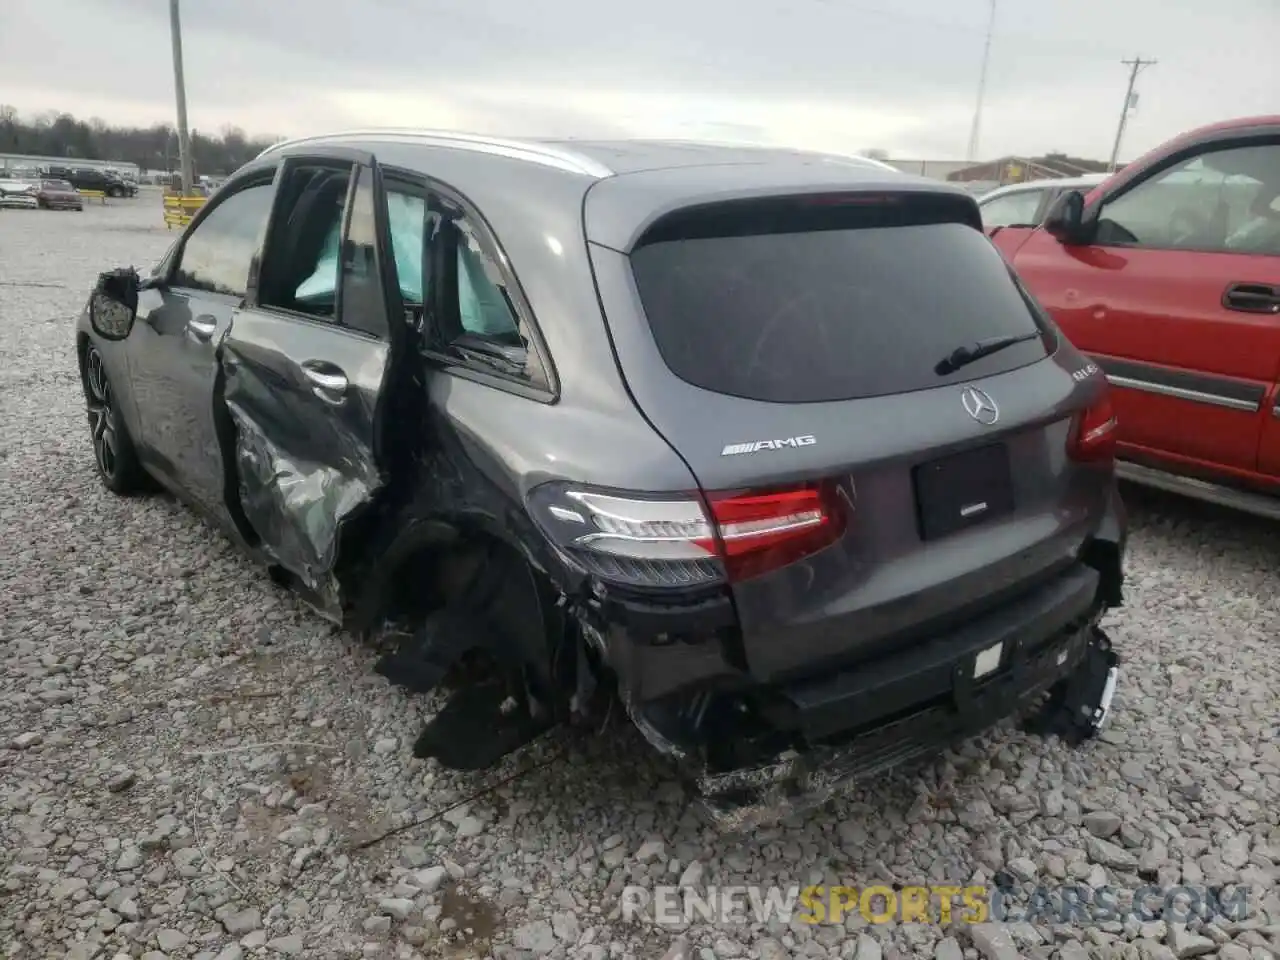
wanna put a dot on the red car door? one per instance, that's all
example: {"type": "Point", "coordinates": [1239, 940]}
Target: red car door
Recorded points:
{"type": "Point", "coordinates": [1009, 240]}
{"type": "Point", "coordinates": [1171, 300]}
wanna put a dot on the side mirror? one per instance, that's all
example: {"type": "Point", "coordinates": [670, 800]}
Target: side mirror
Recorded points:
{"type": "Point", "coordinates": [113, 305]}
{"type": "Point", "coordinates": [1066, 220]}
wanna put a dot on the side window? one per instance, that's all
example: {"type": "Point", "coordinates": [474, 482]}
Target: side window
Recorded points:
{"type": "Point", "coordinates": [454, 289]}
{"type": "Point", "coordinates": [1014, 209]}
{"type": "Point", "coordinates": [479, 323]}
{"type": "Point", "coordinates": [484, 309]}
{"type": "Point", "coordinates": [216, 256]}
{"type": "Point", "coordinates": [412, 226]}
{"type": "Point", "coordinates": [304, 260]}
{"type": "Point", "coordinates": [1218, 201]}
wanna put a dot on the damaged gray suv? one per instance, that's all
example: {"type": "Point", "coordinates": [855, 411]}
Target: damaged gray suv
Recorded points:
{"type": "Point", "coordinates": [769, 448]}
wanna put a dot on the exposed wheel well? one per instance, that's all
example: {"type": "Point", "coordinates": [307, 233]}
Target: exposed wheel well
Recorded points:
{"type": "Point", "coordinates": [476, 572]}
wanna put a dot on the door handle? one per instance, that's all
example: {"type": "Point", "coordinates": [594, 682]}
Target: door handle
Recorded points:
{"type": "Point", "coordinates": [328, 382]}
{"type": "Point", "coordinates": [202, 327]}
{"type": "Point", "coordinates": [1252, 298]}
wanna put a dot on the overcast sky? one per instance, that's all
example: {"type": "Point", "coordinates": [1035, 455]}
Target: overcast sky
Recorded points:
{"type": "Point", "coordinates": [839, 75]}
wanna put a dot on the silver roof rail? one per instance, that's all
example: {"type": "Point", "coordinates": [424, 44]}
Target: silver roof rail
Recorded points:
{"type": "Point", "coordinates": [532, 151]}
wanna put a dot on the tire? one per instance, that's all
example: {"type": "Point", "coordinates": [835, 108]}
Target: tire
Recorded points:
{"type": "Point", "coordinates": [114, 455]}
{"type": "Point", "coordinates": [115, 192]}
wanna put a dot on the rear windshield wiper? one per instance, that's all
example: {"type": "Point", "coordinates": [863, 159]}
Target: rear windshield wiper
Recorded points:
{"type": "Point", "coordinates": [963, 356]}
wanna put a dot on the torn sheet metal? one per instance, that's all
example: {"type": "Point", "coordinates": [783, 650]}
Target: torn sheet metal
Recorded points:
{"type": "Point", "coordinates": [296, 499]}
{"type": "Point", "coordinates": [662, 744]}
{"type": "Point", "coordinates": [795, 782]}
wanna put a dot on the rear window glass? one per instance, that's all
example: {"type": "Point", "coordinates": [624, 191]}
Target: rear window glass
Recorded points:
{"type": "Point", "coordinates": [831, 314]}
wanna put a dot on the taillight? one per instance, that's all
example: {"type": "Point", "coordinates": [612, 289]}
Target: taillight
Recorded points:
{"type": "Point", "coordinates": [674, 541]}
{"type": "Point", "coordinates": [1093, 434]}
{"type": "Point", "coordinates": [764, 531]}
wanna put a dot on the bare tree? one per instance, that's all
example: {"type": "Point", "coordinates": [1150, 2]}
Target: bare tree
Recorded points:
{"type": "Point", "coordinates": [9, 127]}
{"type": "Point", "coordinates": [57, 134]}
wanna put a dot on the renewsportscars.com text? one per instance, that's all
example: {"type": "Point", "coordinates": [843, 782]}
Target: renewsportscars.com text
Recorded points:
{"type": "Point", "coordinates": [934, 904]}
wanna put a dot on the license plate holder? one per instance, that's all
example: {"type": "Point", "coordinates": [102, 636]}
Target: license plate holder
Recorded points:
{"type": "Point", "coordinates": [963, 490]}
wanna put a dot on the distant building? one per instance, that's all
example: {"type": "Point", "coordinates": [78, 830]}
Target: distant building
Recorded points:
{"type": "Point", "coordinates": [1015, 169]}
{"type": "Point", "coordinates": [934, 169]}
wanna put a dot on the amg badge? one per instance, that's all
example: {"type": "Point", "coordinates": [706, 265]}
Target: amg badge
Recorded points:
{"type": "Point", "coordinates": [734, 449]}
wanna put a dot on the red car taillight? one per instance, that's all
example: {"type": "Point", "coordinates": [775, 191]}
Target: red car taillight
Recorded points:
{"type": "Point", "coordinates": [1093, 432]}
{"type": "Point", "coordinates": [673, 542]}
{"type": "Point", "coordinates": [763, 531]}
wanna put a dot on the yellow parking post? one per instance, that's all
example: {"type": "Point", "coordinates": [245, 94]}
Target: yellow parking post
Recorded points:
{"type": "Point", "coordinates": [178, 210]}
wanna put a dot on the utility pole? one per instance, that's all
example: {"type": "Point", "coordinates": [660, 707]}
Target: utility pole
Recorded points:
{"type": "Point", "coordinates": [1137, 63]}
{"type": "Point", "coordinates": [982, 87]}
{"type": "Point", "coordinates": [180, 90]}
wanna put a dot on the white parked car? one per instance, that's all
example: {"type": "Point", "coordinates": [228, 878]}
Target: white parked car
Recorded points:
{"type": "Point", "coordinates": [1025, 204]}
{"type": "Point", "coordinates": [19, 193]}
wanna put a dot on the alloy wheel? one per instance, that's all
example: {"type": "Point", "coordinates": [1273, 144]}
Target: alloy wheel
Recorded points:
{"type": "Point", "coordinates": [102, 415]}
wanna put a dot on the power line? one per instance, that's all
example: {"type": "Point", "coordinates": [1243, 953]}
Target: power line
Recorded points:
{"type": "Point", "coordinates": [982, 86]}
{"type": "Point", "coordinates": [1137, 64]}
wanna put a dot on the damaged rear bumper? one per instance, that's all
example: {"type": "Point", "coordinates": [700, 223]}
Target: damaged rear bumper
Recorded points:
{"type": "Point", "coordinates": [743, 799]}
{"type": "Point", "coordinates": [756, 754]}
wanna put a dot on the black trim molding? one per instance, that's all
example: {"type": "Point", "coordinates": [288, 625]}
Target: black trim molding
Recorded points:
{"type": "Point", "coordinates": [1184, 384]}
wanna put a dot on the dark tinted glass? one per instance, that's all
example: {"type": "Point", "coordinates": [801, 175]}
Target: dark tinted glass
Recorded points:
{"type": "Point", "coordinates": [217, 254]}
{"type": "Point", "coordinates": [830, 314]}
{"type": "Point", "coordinates": [306, 257]}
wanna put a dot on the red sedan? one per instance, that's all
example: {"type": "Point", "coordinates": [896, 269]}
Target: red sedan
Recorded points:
{"type": "Point", "coordinates": [59, 195]}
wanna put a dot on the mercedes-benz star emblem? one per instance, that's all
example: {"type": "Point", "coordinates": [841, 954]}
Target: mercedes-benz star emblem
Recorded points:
{"type": "Point", "coordinates": [979, 405]}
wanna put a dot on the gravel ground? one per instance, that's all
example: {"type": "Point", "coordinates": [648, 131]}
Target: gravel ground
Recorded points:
{"type": "Point", "coordinates": [193, 765]}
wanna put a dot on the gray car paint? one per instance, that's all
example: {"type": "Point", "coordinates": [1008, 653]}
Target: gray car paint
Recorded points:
{"type": "Point", "coordinates": [617, 417]}
{"type": "Point", "coordinates": [882, 579]}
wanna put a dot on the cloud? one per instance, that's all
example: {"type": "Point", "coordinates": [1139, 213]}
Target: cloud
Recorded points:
{"type": "Point", "coordinates": [829, 74]}
{"type": "Point", "coordinates": [567, 111]}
